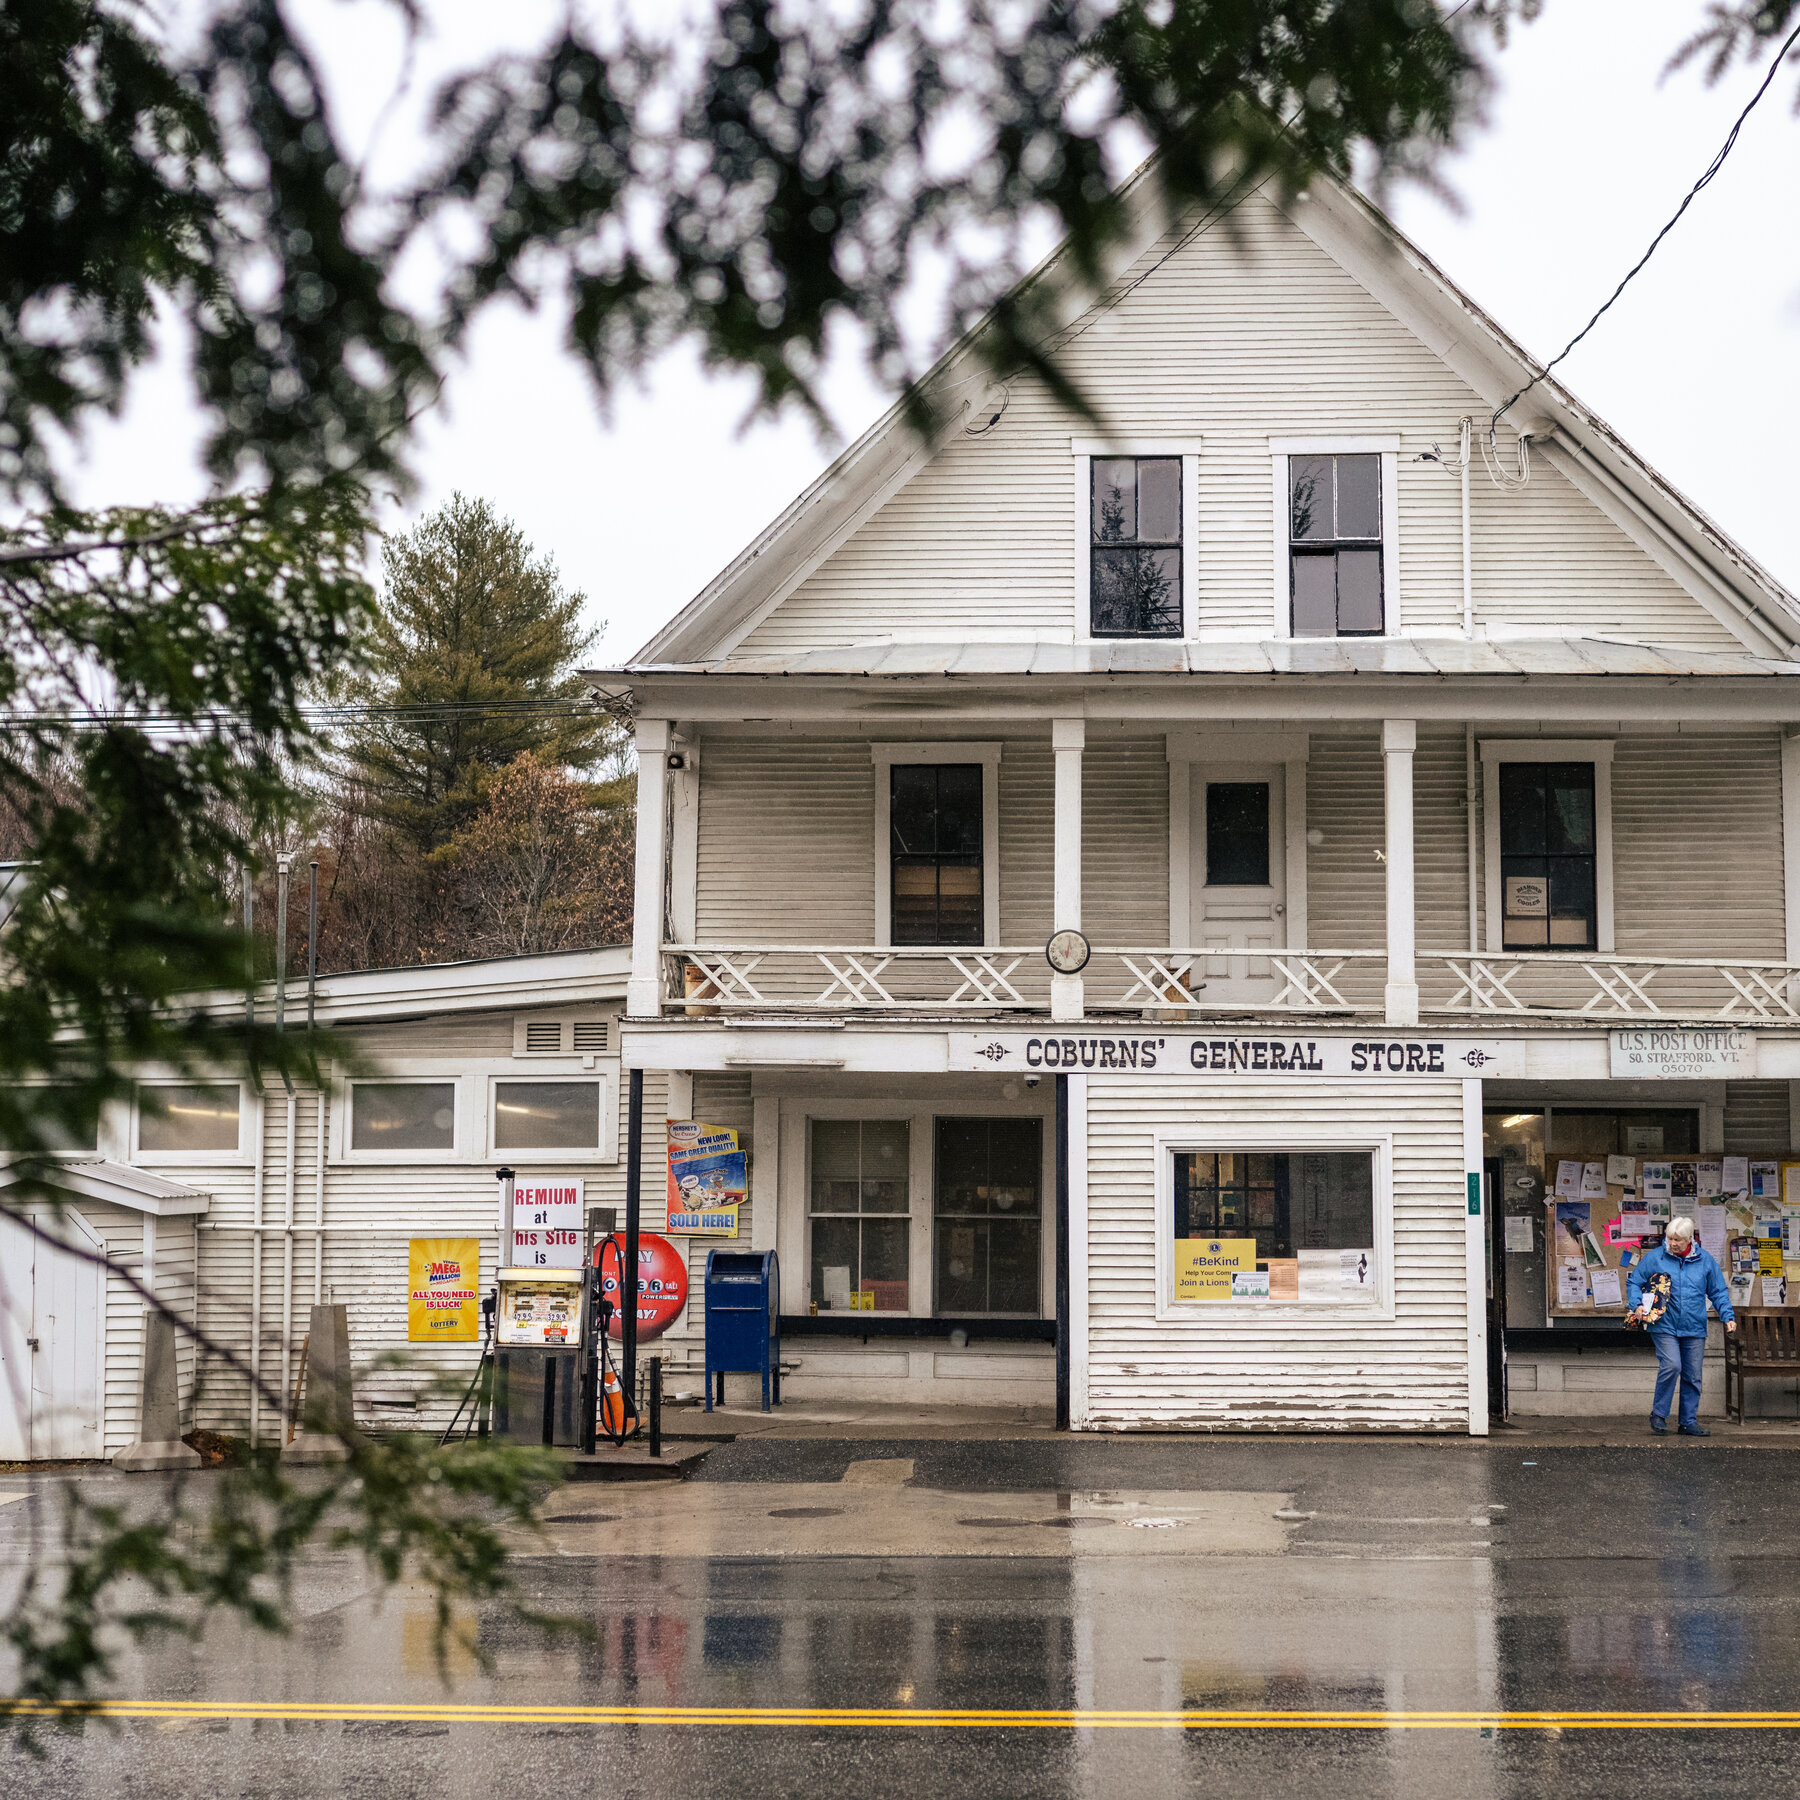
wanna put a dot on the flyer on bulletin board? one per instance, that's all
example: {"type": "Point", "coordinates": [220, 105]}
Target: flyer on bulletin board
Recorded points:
{"type": "Point", "coordinates": [443, 1290]}
{"type": "Point", "coordinates": [708, 1179]}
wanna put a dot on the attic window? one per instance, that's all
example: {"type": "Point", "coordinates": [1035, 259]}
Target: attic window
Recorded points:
{"type": "Point", "coordinates": [1334, 538]}
{"type": "Point", "coordinates": [543, 1036]}
{"type": "Point", "coordinates": [590, 1036]}
{"type": "Point", "coordinates": [1134, 575]}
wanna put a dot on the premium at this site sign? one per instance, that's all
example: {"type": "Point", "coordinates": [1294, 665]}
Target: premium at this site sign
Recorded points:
{"type": "Point", "coordinates": [1084, 1052]}
{"type": "Point", "coordinates": [1660, 1053]}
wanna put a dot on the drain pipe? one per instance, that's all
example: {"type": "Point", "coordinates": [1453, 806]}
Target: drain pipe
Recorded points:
{"type": "Point", "coordinates": [1474, 839]}
{"type": "Point", "coordinates": [320, 1105]}
{"type": "Point", "coordinates": [1467, 547]}
{"type": "Point", "coordinates": [283, 871]}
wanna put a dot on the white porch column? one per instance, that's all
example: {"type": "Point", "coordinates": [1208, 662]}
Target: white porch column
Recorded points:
{"type": "Point", "coordinates": [1399, 738]}
{"type": "Point", "coordinates": [1067, 738]}
{"type": "Point", "coordinates": [643, 992]}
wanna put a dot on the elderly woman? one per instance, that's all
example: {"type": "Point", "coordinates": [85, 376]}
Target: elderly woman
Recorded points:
{"type": "Point", "coordinates": [1679, 1332]}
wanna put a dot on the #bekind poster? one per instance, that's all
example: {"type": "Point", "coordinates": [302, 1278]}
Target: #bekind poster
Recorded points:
{"type": "Point", "coordinates": [443, 1290]}
{"type": "Point", "coordinates": [708, 1179]}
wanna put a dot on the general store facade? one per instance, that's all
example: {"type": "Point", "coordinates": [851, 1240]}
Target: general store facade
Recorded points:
{"type": "Point", "coordinates": [1369, 797]}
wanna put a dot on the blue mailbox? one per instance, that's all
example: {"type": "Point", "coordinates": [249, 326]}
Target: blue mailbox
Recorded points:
{"type": "Point", "coordinates": [743, 1320]}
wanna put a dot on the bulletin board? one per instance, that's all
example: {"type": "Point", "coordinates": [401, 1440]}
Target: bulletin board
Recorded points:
{"type": "Point", "coordinates": [1747, 1209]}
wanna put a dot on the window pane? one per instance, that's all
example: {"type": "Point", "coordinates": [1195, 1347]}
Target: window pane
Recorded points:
{"type": "Point", "coordinates": [1570, 821]}
{"type": "Point", "coordinates": [1013, 1265]}
{"type": "Point", "coordinates": [962, 1165]}
{"type": "Point", "coordinates": [1358, 496]}
{"type": "Point", "coordinates": [1237, 834]}
{"type": "Point", "coordinates": [1309, 483]}
{"type": "Point", "coordinates": [1315, 595]}
{"type": "Point", "coordinates": [403, 1115]}
{"type": "Point", "coordinates": [1015, 1163]}
{"type": "Point", "coordinates": [179, 1119]}
{"type": "Point", "coordinates": [1135, 593]}
{"type": "Point", "coordinates": [912, 808]}
{"type": "Point", "coordinates": [546, 1115]}
{"type": "Point", "coordinates": [959, 809]}
{"type": "Point", "coordinates": [836, 1149]}
{"type": "Point", "coordinates": [961, 1267]}
{"type": "Point", "coordinates": [836, 1268]}
{"type": "Point", "coordinates": [1115, 501]}
{"type": "Point", "coordinates": [1521, 808]}
{"type": "Point", "coordinates": [1159, 501]}
{"type": "Point", "coordinates": [1359, 591]}
{"type": "Point", "coordinates": [884, 1147]}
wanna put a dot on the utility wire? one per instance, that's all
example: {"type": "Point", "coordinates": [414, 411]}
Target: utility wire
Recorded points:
{"type": "Point", "coordinates": [423, 713]}
{"type": "Point", "coordinates": [1712, 169]}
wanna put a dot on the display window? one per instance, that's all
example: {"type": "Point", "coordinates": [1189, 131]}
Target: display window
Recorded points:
{"type": "Point", "coordinates": [988, 1223]}
{"type": "Point", "coordinates": [1274, 1225]}
{"type": "Point", "coordinates": [188, 1119]}
{"type": "Point", "coordinates": [859, 1209]}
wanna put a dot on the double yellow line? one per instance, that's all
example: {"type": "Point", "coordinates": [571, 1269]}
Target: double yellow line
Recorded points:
{"type": "Point", "coordinates": [913, 1718]}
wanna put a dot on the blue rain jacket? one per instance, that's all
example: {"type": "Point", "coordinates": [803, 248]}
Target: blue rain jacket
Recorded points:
{"type": "Point", "coordinates": [1693, 1280]}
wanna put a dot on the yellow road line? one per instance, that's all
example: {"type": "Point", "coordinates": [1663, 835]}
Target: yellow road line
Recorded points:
{"type": "Point", "coordinates": [864, 1718]}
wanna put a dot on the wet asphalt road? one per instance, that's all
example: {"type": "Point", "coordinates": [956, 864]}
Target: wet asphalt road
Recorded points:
{"type": "Point", "coordinates": [1296, 1577]}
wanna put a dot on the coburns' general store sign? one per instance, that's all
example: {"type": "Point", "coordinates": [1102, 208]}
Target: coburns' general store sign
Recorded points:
{"type": "Point", "coordinates": [1186, 1053]}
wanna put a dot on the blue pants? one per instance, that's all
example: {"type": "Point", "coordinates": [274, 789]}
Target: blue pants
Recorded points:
{"type": "Point", "coordinates": [1677, 1359]}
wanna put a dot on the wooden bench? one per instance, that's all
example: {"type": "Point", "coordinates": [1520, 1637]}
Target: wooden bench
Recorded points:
{"type": "Point", "coordinates": [1766, 1342]}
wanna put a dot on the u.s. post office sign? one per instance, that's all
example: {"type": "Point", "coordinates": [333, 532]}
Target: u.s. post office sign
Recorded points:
{"type": "Point", "coordinates": [1081, 1050]}
{"type": "Point", "coordinates": [1662, 1053]}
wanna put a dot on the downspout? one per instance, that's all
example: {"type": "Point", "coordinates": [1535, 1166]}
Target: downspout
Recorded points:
{"type": "Point", "coordinates": [320, 1104]}
{"type": "Point", "coordinates": [287, 1238]}
{"type": "Point", "coordinates": [1474, 839]}
{"type": "Point", "coordinates": [1467, 547]}
{"type": "Point", "coordinates": [1468, 572]}
{"type": "Point", "coordinates": [256, 1261]}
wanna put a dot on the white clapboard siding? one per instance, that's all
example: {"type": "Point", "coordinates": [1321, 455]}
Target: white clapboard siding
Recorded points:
{"type": "Point", "coordinates": [1124, 841]}
{"type": "Point", "coordinates": [371, 1211]}
{"type": "Point", "coordinates": [1697, 845]}
{"type": "Point", "coordinates": [1756, 1117]}
{"type": "Point", "coordinates": [1234, 1370]}
{"type": "Point", "coordinates": [786, 843]}
{"type": "Point", "coordinates": [1346, 883]}
{"type": "Point", "coordinates": [121, 1230]}
{"type": "Point", "coordinates": [1235, 338]}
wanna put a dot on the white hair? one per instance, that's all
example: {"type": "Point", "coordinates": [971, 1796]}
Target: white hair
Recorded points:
{"type": "Point", "coordinates": [1680, 1228]}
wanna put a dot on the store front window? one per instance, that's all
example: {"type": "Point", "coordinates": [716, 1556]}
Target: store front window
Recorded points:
{"type": "Point", "coordinates": [1274, 1225]}
{"type": "Point", "coordinates": [859, 1212]}
{"type": "Point", "coordinates": [989, 1223]}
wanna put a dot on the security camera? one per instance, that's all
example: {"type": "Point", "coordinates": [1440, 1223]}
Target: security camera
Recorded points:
{"type": "Point", "coordinates": [1033, 1080]}
{"type": "Point", "coordinates": [677, 760]}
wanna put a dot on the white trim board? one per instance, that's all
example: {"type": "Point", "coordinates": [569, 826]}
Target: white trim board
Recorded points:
{"type": "Point", "coordinates": [884, 757]}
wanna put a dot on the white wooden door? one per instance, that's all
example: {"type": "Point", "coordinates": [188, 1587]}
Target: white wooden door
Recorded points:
{"type": "Point", "coordinates": [1238, 883]}
{"type": "Point", "coordinates": [50, 1346]}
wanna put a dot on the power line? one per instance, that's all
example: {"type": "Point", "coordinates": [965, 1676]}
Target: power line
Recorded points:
{"type": "Point", "coordinates": [1712, 169]}
{"type": "Point", "coordinates": [423, 713]}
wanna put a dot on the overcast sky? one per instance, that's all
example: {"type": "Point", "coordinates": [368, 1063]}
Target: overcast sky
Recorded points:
{"type": "Point", "coordinates": [1587, 152]}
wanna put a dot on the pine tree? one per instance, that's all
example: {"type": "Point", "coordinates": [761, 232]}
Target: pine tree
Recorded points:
{"type": "Point", "coordinates": [477, 646]}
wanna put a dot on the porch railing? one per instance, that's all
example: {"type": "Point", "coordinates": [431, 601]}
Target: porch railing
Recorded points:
{"type": "Point", "coordinates": [1577, 986]}
{"type": "Point", "coordinates": [1158, 982]}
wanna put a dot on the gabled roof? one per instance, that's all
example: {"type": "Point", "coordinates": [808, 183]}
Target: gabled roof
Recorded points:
{"type": "Point", "coordinates": [1694, 551]}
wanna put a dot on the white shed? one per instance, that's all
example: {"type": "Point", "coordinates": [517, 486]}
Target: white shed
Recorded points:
{"type": "Point", "coordinates": [71, 1330]}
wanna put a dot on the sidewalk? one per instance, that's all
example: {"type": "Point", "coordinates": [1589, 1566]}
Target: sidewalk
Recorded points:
{"type": "Point", "coordinates": [848, 1419]}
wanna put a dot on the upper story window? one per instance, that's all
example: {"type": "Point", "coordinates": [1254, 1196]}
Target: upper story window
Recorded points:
{"type": "Point", "coordinates": [935, 853]}
{"type": "Point", "coordinates": [1549, 854]}
{"type": "Point", "coordinates": [1134, 575]}
{"type": "Point", "coordinates": [1335, 545]}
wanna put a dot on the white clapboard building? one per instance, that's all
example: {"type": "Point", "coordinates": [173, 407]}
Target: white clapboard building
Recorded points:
{"type": "Point", "coordinates": [1419, 818]}
{"type": "Point", "coordinates": [242, 1206]}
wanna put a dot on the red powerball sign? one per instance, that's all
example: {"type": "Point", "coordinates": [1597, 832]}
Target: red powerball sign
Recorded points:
{"type": "Point", "coordinates": [661, 1284]}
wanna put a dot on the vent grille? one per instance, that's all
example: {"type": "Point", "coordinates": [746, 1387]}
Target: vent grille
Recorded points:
{"type": "Point", "coordinates": [544, 1035]}
{"type": "Point", "coordinates": [590, 1036]}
